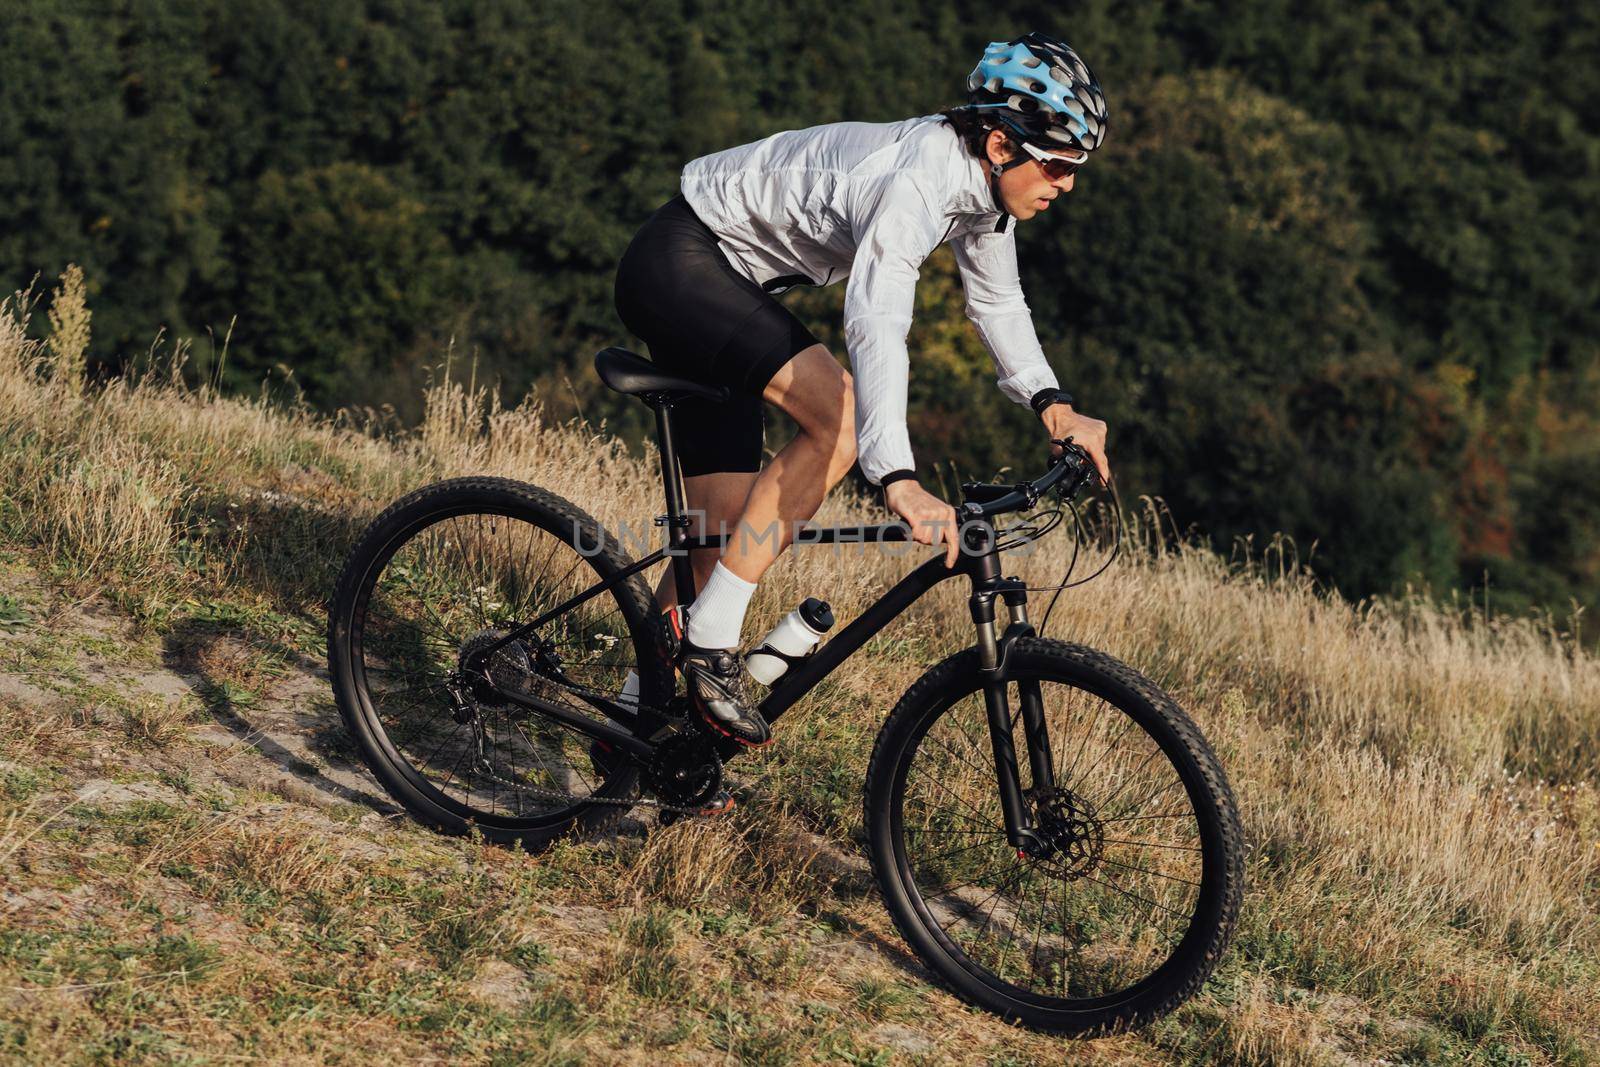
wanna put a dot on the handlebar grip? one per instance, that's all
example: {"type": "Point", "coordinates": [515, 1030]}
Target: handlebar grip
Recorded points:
{"type": "Point", "coordinates": [984, 500]}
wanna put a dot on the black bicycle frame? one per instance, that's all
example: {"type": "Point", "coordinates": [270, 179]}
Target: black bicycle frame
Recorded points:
{"type": "Point", "coordinates": [979, 560]}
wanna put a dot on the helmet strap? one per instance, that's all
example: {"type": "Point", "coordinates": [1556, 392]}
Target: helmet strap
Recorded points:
{"type": "Point", "coordinates": [995, 170]}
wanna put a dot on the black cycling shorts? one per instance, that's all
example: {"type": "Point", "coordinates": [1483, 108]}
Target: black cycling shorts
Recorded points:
{"type": "Point", "coordinates": [705, 321]}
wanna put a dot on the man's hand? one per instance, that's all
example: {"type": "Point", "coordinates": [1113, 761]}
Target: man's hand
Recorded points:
{"type": "Point", "coordinates": [930, 518]}
{"type": "Point", "coordinates": [1089, 434]}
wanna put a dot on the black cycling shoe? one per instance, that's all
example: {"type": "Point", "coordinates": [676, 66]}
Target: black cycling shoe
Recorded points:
{"type": "Point", "coordinates": [721, 804]}
{"type": "Point", "coordinates": [716, 688]}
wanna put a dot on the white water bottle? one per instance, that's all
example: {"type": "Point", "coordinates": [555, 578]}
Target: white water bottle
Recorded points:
{"type": "Point", "coordinates": [796, 634]}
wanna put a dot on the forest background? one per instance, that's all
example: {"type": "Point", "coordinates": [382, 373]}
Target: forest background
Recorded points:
{"type": "Point", "coordinates": [1334, 274]}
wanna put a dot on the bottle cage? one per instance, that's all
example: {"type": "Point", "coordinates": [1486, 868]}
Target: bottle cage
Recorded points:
{"type": "Point", "coordinates": [788, 660]}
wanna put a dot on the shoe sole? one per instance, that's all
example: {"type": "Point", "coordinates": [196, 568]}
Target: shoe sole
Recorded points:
{"type": "Point", "coordinates": [711, 721]}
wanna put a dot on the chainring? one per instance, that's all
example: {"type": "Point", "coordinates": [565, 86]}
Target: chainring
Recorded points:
{"type": "Point", "coordinates": [685, 770]}
{"type": "Point", "coordinates": [685, 773]}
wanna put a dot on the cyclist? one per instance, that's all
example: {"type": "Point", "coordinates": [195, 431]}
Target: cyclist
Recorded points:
{"type": "Point", "coordinates": [867, 201]}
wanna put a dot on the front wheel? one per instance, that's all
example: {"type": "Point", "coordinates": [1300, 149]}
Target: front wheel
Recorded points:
{"type": "Point", "coordinates": [1129, 899]}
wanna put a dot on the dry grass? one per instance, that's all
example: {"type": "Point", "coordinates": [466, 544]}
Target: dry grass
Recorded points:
{"type": "Point", "coordinates": [1418, 780]}
{"type": "Point", "coordinates": [766, 863]}
{"type": "Point", "coordinates": [69, 332]}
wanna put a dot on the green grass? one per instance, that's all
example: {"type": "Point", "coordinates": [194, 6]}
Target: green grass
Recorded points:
{"type": "Point", "coordinates": [14, 615]}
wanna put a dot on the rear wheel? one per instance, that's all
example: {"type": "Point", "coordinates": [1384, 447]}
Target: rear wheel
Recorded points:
{"type": "Point", "coordinates": [1130, 901]}
{"type": "Point", "coordinates": [442, 576]}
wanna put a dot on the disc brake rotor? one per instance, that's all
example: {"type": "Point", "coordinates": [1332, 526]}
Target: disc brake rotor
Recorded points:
{"type": "Point", "coordinates": [1072, 829]}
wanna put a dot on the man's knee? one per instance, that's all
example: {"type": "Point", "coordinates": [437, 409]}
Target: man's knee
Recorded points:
{"type": "Point", "coordinates": [820, 396]}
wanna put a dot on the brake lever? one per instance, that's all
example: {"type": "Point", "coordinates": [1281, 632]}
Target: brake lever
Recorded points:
{"type": "Point", "coordinates": [1070, 450]}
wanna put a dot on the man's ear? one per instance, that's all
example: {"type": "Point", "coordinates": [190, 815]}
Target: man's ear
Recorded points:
{"type": "Point", "coordinates": [997, 147]}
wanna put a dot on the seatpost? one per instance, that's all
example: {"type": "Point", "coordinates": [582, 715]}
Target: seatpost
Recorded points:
{"type": "Point", "coordinates": [676, 522]}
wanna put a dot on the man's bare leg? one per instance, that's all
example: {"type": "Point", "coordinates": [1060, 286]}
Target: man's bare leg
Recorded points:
{"type": "Point", "coordinates": [816, 393]}
{"type": "Point", "coordinates": [759, 510]}
{"type": "Point", "coordinates": [719, 498]}
{"type": "Point", "coordinates": [819, 396]}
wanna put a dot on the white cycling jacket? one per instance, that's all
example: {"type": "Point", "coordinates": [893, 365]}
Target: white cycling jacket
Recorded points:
{"type": "Point", "coordinates": [871, 201]}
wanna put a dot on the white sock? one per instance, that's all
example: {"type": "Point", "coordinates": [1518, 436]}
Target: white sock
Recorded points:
{"type": "Point", "coordinates": [717, 615]}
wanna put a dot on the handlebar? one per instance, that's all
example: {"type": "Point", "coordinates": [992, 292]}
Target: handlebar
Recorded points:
{"type": "Point", "coordinates": [984, 500]}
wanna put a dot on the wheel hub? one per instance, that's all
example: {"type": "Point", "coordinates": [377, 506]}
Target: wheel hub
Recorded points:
{"type": "Point", "coordinates": [1071, 831]}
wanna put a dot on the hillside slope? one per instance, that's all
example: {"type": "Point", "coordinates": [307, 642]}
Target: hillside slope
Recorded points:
{"type": "Point", "coordinates": [192, 869]}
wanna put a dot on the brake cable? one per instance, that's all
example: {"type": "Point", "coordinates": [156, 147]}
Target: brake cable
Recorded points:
{"type": "Point", "coordinates": [1077, 542]}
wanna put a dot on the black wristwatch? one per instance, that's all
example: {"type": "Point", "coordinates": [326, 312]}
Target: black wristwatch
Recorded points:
{"type": "Point", "coordinates": [1045, 397]}
{"type": "Point", "coordinates": [889, 479]}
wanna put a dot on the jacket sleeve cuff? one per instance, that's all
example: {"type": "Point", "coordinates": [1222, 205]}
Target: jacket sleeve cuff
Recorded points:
{"type": "Point", "coordinates": [896, 476]}
{"type": "Point", "coordinates": [1024, 384]}
{"type": "Point", "coordinates": [884, 453]}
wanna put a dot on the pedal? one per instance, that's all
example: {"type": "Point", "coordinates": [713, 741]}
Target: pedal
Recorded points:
{"type": "Point", "coordinates": [720, 804]}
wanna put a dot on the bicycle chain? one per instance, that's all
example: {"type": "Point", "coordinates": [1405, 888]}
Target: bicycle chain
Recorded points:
{"type": "Point", "coordinates": [550, 794]}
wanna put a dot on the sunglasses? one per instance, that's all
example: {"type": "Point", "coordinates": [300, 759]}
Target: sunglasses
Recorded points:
{"type": "Point", "coordinates": [1055, 167]}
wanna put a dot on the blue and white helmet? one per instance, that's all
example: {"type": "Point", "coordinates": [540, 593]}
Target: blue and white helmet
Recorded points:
{"type": "Point", "coordinates": [1040, 91]}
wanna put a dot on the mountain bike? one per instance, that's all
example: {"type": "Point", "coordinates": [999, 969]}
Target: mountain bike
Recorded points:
{"type": "Point", "coordinates": [1051, 833]}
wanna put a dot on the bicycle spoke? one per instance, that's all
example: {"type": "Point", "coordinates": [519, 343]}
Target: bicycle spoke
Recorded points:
{"type": "Point", "coordinates": [465, 579]}
{"type": "Point", "coordinates": [1016, 865]}
{"type": "Point", "coordinates": [1162, 815]}
{"type": "Point", "coordinates": [945, 789]}
{"type": "Point", "coordinates": [1148, 756]}
{"type": "Point", "coordinates": [1134, 896]}
{"type": "Point", "coordinates": [1151, 844]}
{"type": "Point", "coordinates": [1136, 805]}
{"type": "Point", "coordinates": [958, 851]}
{"type": "Point", "coordinates": [1072, 920]}
{"type": "Point", "coordinates": [1146, 870]}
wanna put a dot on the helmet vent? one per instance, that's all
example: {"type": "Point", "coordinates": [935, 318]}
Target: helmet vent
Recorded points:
{"type": "Point", "coordinates": [1045, 92]}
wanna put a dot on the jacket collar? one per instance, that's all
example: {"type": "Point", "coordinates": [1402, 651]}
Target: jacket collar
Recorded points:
{"type": "Point", "coordinates": [974, 193]}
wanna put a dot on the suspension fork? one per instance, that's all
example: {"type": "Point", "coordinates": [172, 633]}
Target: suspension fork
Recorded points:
{"type": "Point", "coordinates": [987, 587]}
{"type": "Point", "coordinates": [1041, 764]}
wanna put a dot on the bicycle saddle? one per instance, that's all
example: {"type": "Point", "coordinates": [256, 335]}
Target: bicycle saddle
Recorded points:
{"type": "Point", "coordinates": [627, 373]}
